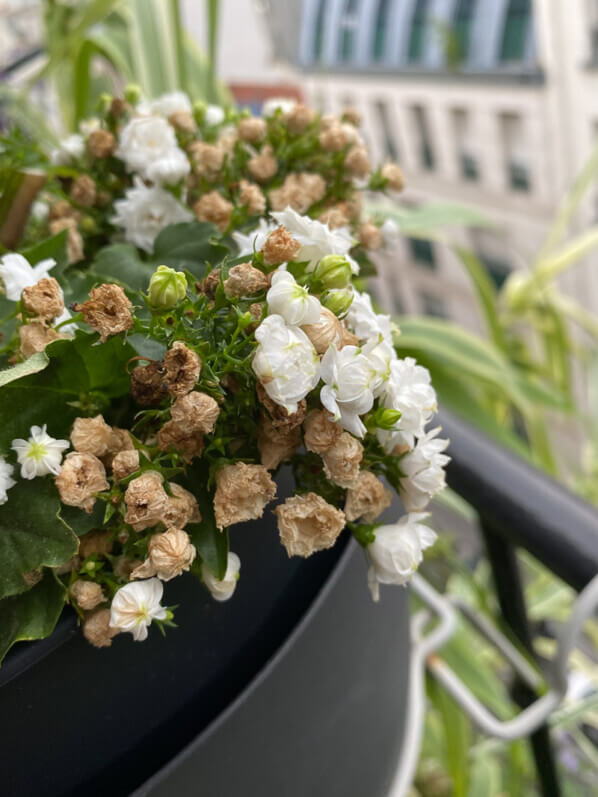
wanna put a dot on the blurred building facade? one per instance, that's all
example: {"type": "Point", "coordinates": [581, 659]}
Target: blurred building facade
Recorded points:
{"type": "Point", "coordinates": [489, 103]}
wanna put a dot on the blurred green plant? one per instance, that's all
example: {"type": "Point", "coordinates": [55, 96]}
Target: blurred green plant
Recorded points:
{"type": "Point", "coordinates": [97, 46]}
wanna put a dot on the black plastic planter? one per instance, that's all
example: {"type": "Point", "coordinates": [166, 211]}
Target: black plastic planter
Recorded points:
{"type": "Point", "coordinates": [295, 687]}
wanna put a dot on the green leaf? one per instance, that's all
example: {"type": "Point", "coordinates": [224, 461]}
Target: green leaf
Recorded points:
{"type": "Point", "coordinates": [486, 294]}
{"type": "Point", "coordinates": [211, 544]}
{"type": "Point", "coordinates": [105, 363]}
{"type": "Point", "coordinates": [32, 365]}
{"type": "Point", "coordinates": [31, 534]}
{"type": "Point", "coordinates": [123, 263]}
{"type": "Point", "coordinates": [55, 248]}
{"type": "Point", "coordinates": [32, 615]}
{"type": "Point", "coordinates": [486, 778]}
{"type": "Point", "coordinates": [189, 246]}
{"type": "Point", "coordinates": [79, 521]}
{"type": "Point", "coordinates": [457, 737]}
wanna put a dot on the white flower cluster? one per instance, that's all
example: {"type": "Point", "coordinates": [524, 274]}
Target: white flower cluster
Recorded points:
{"type": "Point", "coordinates": [355, 379]}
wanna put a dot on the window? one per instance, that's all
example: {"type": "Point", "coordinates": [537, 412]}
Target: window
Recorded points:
{"type": "Point", "coordinates": [422, 251]}
{"type": "Point", "coordinates": [515, 30]}
{"type": "Point", "coordinates": [463, 18]}
{"type": "Point", "coordinates": [380, 26]}
{"type": "Point", "coordinates": [433, 305]}
{"type": "Point", "coordinates": [426, 154]}
{"type": "Point", "coordinates": [388, 140]}
{"type": "Point", "coordinates": [515, 152]}
{"type": "Point", "coordinates": [464, 148]}
{"type": "Point", "coordinates": [418, 30]}
{"type": "Point", "coordinates": [318, 48]}
{"type": "Point", "coordinates": [348, 30]}
{"type": "Point", "coordinates": [592, 8]}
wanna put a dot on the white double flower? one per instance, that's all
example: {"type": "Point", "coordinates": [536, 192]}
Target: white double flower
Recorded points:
{"type": "Point", "coordinates": [285, 362]}
{"type": "Point", "coordinates": [397, 551]}
{"type": "Point", "coordinates": [317, 240]}
{"type": "Point", "coordinates": [148, 147]}
{"type": "Point", "coordinates": [423, 471]}
{"type": "Point", "coordinates": [409, 390]}
{"type": "Point", "coordinates": [292, 301]}
{"type": "Point", "coordinates": [350, 385]}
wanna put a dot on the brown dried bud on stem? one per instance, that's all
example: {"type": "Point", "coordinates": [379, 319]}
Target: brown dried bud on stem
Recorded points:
{"type": "Point", "coordinates": [147, 384]}
{"type": "Point", "coordinates": [370, 236]}
{"type": "Point", "coordinates": [35, 337]}
{"type": "Point", "coordinates": [251, 195]}
{"type": "Point", "coordinates": [276, 445]}
{"type": "Point", "coordinates": [87, 594]}
{"type": "Point", "coordinates": [263, 166]}
{"type": "Point", "coordinates": [320, 431]}
{"type": "Point", "coordinates": [214, 208]}
{"type": "Point", "coordinates": [172, 437]}
{"type": "Point", "coordinates": [101, 143]}
{"type": "Point", "coordinates": [95, 542]}
{"type": "Point", "coordinates": [44, 299]}
{"type": "Point", "coordinates": [97, 630]}
{"type": "Point", "coordinates": [393, 174]}
{"type": "Point", "coordinates": [342, 460]}
{"type": "Point", "coordinates": [81, 477]}
{"type": "Point", "coordinates": [242, 492]}
{"type": "Point", "coordinates": [357, 161]}
{"type": "Point", "coordinates": [146, 501]}
{"type": "Point", "coordinates": [169, 555]}
{"type": "Point", "coordinates": [107, 310]}
{"type": "Point", "coordinates": [91, 435]}
{"type": "Point", "coordinates": [299, 118]}
{"type": "Point", "coordinates": [244, 280]}
{"type": "Point", "coordinates": [125, 463]}
{"type": "Point", "coordinates": [280, 417]}
{"type": "Point", "coordinates": [300, 191]}
{"type": "Point", "coordinates": [182, 367]}
{"type": "Point", "coordinates": [280, 247]}
{"type": "Point", "coordinates": [367, 499]}
{"type": "Point", "coordinates": [195, 412]}
{"type": "Point", "coordinates": [207, 159]}
{"type": "Point", "coordinates": [252, 129]}
{"type": "Point", "coordinates": [83, 191]}
{"type": "Point", "coordinates": [327, 330]}
{"type": "Point", "coordinates": [307, 523]}
{"type": "Point", "coordinates": [74, 241]}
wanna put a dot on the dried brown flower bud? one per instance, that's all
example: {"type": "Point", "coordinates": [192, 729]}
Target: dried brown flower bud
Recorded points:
{"type": "Point", "coordinates": [307, 523]}
{"type": "Point", "coordinates": [280, 418]}
{"type": "Point", "coordinates": [81, 477]}
{"type": "Point", "coordinates": [242, 492]}
{"type": "Point", "coordinates": [394, 175]}
{"type": "Point", "coordinates": [328, 330]}
{"type": "Point", "coordinates": [357, 161]}
{"type": "Point", "coordinates": [367, 499]}
{"type": "Point", "coordinates": [342, 460]}
{"type": "Point", "coordinates": [352, 116]}
{"type": "Point", "coordinates": [182, 367]}
{"type": "Point", "coordinates": [118, 106]}
{"type": "Point", "coordinates": [170, 554]}
{"type": "Point", "coordinates": [335, 216]}
{"type": "Point", "coordinates": [207, 158]}
{"type": "Point", "coordinates": [183, 121]}
{"type": "Point", "coordinates": [299, 118]}
{"type": "Point", "coordinates": [146, 501]}
{"type": "Point", "coordinates": [214, 208]}
{"type": "Point", "coordinates": [210, 283]}
{"type": "Point", "coordinates": [181, 508]}
{"type": "Point", "coordinates": [91, 435]}
{"type": "Point", "coordinates": [120, 440]}
{"type": "Point", "coordinates": [35, 337]}
{"type": "Point", "coordinates": [95, 542]}
{"type": "Point", "coordinates": [87, 594]}
{"type": "Point", "coordinates": [107, 310]}
{"type": "Point", "coordinates": [97, 630]}
{"type": "Point", "coordinates": [33, 577]}
{"type": "Point", "coordinates": [147, 384]}
{"type": "Point", "coordinates": [251, 195]}
{"type": "Point", "coordinates": [280, 247]}
{"type": "Point", "coordinates": [244, 279]}
{"type": "Point", "coordinates": [44, 299]}
{"type": "Point", "coordinates": [276, 445]}
{"type": "Point", "coordinates": [74, 241]}
{"type": "Point", "coordinates": [320, 431]}
{"type": "Point", "coordinates": [252, 129]}
{"type": "Point", "coordinates": [333, 138]}
{"type": "Point", "coordinates": [263, 166]}
{"type": "Point", "coordinates": [300, 191]}
{"type": "Point", "coordinates": [124, 566]}
{"type": "Point", "coordinates": [125, 463]}
{"type": "Point", "coordinates": [62, 209]}
{"type": "Point", "coordinates": [195, 412]}
{"type": "Point", "coordinates": [101, 143]}
{"type": "Point", "coordinates": [370, 236]}
{"type": "Point", "coordinates": [172, 437]}
{"type": "Point", "coordinates": [83, 191]}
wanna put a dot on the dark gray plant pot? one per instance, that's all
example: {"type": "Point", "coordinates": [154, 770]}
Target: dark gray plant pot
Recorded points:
{"type": "Point", "coordinates": [294, 688]}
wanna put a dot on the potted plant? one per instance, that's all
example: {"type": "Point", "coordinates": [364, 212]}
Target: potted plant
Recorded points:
{"type": "Point", "coordinates": [193, 323]}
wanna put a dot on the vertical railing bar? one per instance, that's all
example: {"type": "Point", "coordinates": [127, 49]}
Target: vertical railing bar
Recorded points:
{"type": "Point", "coordinates": [511, 599]}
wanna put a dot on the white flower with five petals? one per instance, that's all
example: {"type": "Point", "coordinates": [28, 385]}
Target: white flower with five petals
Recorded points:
{"type": "Point", "coordinates": [6, 480]}
{"type": "Point", "coordinates": [397, 551]}
{"type": "Point", "coordinates": [316, 239]}
{"type": "Point", "coordinates": [292, 301]}
{"type": "Point", "coordinates": [136, 605]}
{"type": "Point", "coordinates": [423, 471]}
{"type": "Point", "coordinates": [222, 589]}
{"type": "Point", "coordinates": [350, 384]}
{"type": "Point", "coordinates": [40, 454]}
{"type": "Point", "coordinates": [285, 362]}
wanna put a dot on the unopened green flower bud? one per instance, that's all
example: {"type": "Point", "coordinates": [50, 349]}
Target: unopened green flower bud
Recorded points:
{"type": "Point", "coordinates": [167, 287]}
{"type": "Point", "coordinates": [386, 418]}
{"type": "Point", "coordinates": [517, 291]}
{"type": "Point", "coordinates": [338, 302]}
{"type": "Point", "coordinates": [245, 320]}
{"type": "Point", "coordinates": [199, 110]}
{"type": "Point", "coordinates": [132, 93]}
{"type": "Point", "coordinates": [88, 225]}
{"type": "Point", "coordinates": [105, 102]}
{"type": "Point", "coordinates": [334, 271]}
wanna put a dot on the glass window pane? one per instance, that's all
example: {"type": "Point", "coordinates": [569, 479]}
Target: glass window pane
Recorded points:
{"type": "Point", "coordinates": [515, 31]}
{"type": "Point", "coordinates": [418, 29]}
